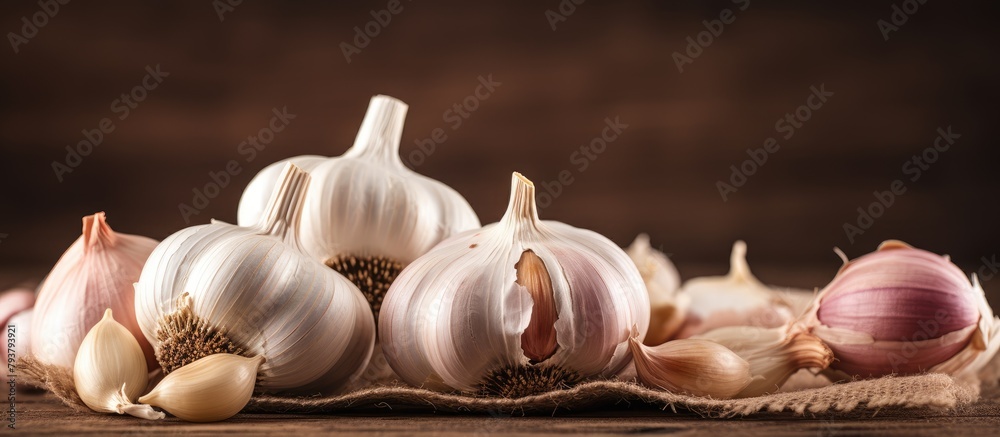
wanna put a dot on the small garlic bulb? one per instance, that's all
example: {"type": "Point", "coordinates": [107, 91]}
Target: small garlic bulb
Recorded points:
{"type": "Point", "coordinates": [691, 366]}
{"type": "Point", "coordinates": [524, 302]}
{"type": "Point", "coordinates": [366, 215]}
{"type": "Point", "coordinates": [110, 370]}
{"type": "Point", "coordinates": [13, 302]}
{"type": "Point", "coordinates": [211, 389]}
{"type": "Point", "coordinates": [774, 354]}
{"type": "Point", "coordinates": [737, 299]}
{"type": "Point", "coordinates": [669, 308]}
{"type": "Point", "coordinates": [904, 310]}
{"type": "Point", "coordinates": [252, 291]}
{"type": "Point", "coordinates": [94, 274]}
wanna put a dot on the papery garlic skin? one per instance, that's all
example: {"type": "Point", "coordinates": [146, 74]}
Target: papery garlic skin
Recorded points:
{"type": "Point", "coordinates": [485, 299]}
{"type": "Point", "coordinates": [669, 308]}
{"type": "Point", "coordinates": [737, 299]}
{"type": "Point", "coordinates": [691, 366]}
{"type": "Point", "coordinates": [110, 370]}
{"type": "Point", "coordinates": [94, 274]}
{"type": "Point", "coordinates": [210, 389]}
{"type": "Point", "coordinates": [904, 310]}
{"type": "Point", "coordinates": [263, 295]}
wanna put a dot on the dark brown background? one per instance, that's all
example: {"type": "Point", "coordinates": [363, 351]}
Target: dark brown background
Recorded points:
{"type": "Point", "coordinates": [685, 129]}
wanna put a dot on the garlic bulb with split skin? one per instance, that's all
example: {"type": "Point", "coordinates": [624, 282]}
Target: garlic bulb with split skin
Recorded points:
{"type": "Point", "coordinates": [220, 288]}
{"type": "Point", "coordinates": [737, 299]}
{"type": "Point", "coordinates": [514, 308]}
{"type": "Point", "coordinates": [110, 370]}
{"type": "Point", "coordinates": [210, 389]}
{"type": "Point", "coordinates": [95, 273]}
{"type": "Point", "coordinates": [669, 308]}
{"type": "Point", "coordinates": [904, 310]}
{"type": "Point", "coordinates": [691, 366]}
{"type": "Point", "coordinates": [366, 215]}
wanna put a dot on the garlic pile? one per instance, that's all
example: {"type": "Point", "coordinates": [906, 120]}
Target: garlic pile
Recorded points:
{"type": "Point", "coordinates": [514, 308]}
{"type": "Point", "coordinates": [220, 288]}
{"type": "Point", "coordinates": [210, 389]}
{"type": "Point", "coordinates": [110, 370]}
{"type": "Point", "coordinates": [904, 310]}
{"type": "Point", "coordinates": [737, 299]}
{"type": "Point", "coordinates": [366, 215]}
{"type": "Point", "coordinates": [669, 308]}
{"type": "Point", "coordinates": [94, 274]}
{"type": "Point", "coordinates": [691, 366]}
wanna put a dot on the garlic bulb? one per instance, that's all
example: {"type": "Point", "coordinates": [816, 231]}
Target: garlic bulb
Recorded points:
{"type": "Point", "coordinates": [527, 302]}
{"type": "Point", "coordinates": [110, 370]}
{"type": "Point", "coordinates": [210, 389]}
{"type": "Point", "coordinates": [669, 308]}
{"type": "Point", "coordinates": [94, 274]}
{"type": "Point", "coordinates": [222, 288]}
{"type": "Point", "coordinates": [774, 354]}
{"type": "Point", "coordinates": [366, 215]}
{"type": "Point", "coordinates": [737, 299]}
{"type": "Point", "coordinates": [12, 303]}
{"type": "Point", "coordinates": [904, 310]}
{"type": "Point", "coordinates": [691, 366]}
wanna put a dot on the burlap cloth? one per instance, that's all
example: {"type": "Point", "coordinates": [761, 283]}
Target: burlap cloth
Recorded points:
{"type": "Point", "coordinates": [929, 391]}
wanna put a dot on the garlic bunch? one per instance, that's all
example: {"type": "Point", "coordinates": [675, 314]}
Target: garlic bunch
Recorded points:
{"type": "Point", "coordinates": [15, 309]}
{"type": "Point", "coordinates": [669, 308]}
{"type": "Point", "coordinates": [210, 389]}
{"type": "Point", "coordinates": [222, 288]}
{"type": "Point", "coordinates": [904, 310]}
{"type": "Point", "coordinates": [774, 354]}
{"type": "Point", "coordinates": [366, 215]}
{"type": "Point", "coordinates": [110, 370]}
{"type": "Point", "coordinates": [691, 366]}
{"type": "Point", "coordinates": [737, 299]}
{"type": "Point", "coordinates": [523, 302]}
{"type": "Point", "coordinates": [94, 274]}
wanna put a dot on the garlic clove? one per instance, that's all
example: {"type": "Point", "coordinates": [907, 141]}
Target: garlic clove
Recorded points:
{"type": "Point", "coordinates": [691, 366]}
{"type": "Point", "coordinates": [737, 299]}
{"type": "Point", "coordinates": [774, 354]}
{"type": "Point", "coordinates": [669, 308]}
{"type": "Point", "coordinates": [110, 370]}
{"type": "Point", "coordinates": [211, 389]}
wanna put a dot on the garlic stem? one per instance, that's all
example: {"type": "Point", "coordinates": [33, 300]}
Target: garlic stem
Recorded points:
{"type": "Point", "coordinates": [521, 209]}
{"type": "Point", "coordinates": [281, 217]}
{"type": "Point", "coordinates": [96, 232]}
{"type": "Point", "coordinates": [380, 132]}
{"type": "Point", "coordinates": [739, 269]}
{"type": "Point", "coordinates": [141, 411]}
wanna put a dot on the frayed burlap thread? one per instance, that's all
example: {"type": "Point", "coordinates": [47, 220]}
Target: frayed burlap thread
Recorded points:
{"type": "Point", "coordinates": [931, 391]}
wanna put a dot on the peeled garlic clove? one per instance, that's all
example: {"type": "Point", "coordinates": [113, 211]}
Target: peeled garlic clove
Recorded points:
{"type": "Point", "coordinates": [774, 354]}
{"type": "Point", "coordinates": [691, 366]}
{"type": "Point", "coordinates": [211, 389]}
{"type": "Point", "coordinates": [253, 291]}
{"type": "Point", "coordinates": [737, 299]}
{"type": "Point", "coordinates": [523, 302]}
{"type": "Point", "coordinates": [95, 273]}
{"type": "Point", "coordinates": [669, 308]}
{"type": "Point", "coordinates": [110, 370]}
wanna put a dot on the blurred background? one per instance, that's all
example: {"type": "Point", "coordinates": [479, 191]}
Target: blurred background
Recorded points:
{"type": "Point", "coordinates": [693, 107]}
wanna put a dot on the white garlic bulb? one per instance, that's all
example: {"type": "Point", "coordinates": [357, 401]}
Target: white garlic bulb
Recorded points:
{"type": "Point", "coordinates": [668, 306]}
{"type": "Point", "coordinates": [737, 299]}
{"type": "Point", "coordinates": [14, 305]}
{"type": "Point", "coordinates": [95, 273]}
{"type": "Point", "coordinates": [210, 389]}
{"type": "Point", "coordinates": [223, 288]}
{"type": "Point", "coordinates": [110, 370]}
{"type": "Point", "coordinates": [366, 215]}
{"type": "Point", "coordinates": [519, 300]}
